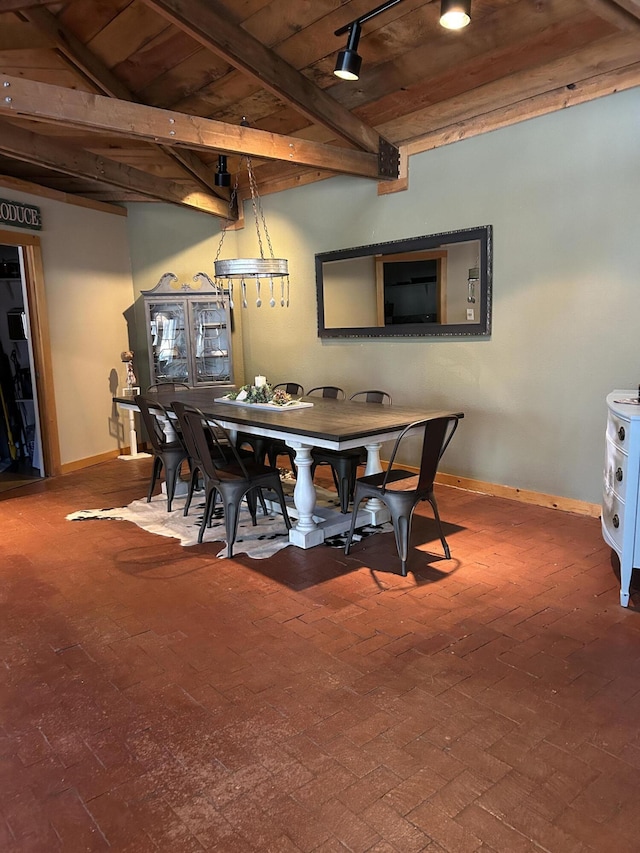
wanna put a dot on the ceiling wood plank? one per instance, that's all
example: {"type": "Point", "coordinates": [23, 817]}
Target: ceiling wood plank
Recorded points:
{"type": "Point", "coordinates": [11, 183]}
{"type": "Point", "coordinates": [22, 36]}
{"type": "Point", "coordinates": [70, 108]}
{"type": "Point", "coordinates": [615, 13]}
{"type": "Point", "coordinates": [19, 5]}
{"type": "Point", "coordinates": [617, 80]}
{"type": "Point", "coordinates": [215, 32]}
{"type": "Point", "coordinates": [34, 148]}
{"type": "Point", "coordinates": [630, 6]}
{"type": "Point", "coordinates": [93, 68]}
{"type": "Point", "coordinates": [608, 55]}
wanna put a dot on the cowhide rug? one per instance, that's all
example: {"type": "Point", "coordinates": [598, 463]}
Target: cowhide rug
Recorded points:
{"type": "Point", "coordinates": [267, 538]}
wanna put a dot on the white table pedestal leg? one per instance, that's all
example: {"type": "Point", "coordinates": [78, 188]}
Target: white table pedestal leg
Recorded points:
{"type": "Point", "coordinates": [133, 440]}
{"type": "Point", "coordinates": [305, 533]}
{"type": "Point", "coordinates": [374, 506]}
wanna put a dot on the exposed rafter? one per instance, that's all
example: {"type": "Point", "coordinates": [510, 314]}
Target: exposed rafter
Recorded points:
{"type": "Point", "coordinates": [213, 30]}
{"type": "Point", "coordinates": [70, 108]}
{"type": "Point", "coordinates": [94, 69]}
{"type": "Point", "coordinates": [35, 148]}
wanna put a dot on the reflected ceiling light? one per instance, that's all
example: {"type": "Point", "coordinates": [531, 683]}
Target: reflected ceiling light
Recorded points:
{"type": "Point", "coordinates": [348, 62]}
{"type": "Point", "coordinates": [455, 14]}
{"type": "Point", "coordinates": [222, 177]}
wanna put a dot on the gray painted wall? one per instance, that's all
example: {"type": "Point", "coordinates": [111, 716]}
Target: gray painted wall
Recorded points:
{"type": "Point", "coordinates": [561, 192]}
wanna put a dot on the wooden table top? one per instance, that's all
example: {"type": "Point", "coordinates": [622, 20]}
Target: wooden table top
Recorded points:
{"type": "Point", "coordinates": [333, 420]}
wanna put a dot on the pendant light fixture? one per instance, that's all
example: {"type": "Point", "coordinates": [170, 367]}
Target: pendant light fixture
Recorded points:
{"type": "Point", "coordinates": [263, 270]}
{"type": "Point", "coordinates": [455, 14]}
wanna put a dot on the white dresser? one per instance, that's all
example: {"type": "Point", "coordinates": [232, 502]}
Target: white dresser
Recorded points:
{"type": "Point", "coordinates": [620, 499]}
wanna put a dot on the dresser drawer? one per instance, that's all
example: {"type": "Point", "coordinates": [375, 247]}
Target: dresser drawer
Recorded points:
{"type": "Point", "coordinates": [618, 430]}
{"type": "Point", "coordinates": [613, 517]}
{"type": "Point", "coordinates": [615, 469]}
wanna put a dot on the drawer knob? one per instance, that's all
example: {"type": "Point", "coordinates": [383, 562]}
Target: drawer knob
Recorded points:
{"type": "Point", "coordinates": [621, 433]}
{"type": "Point", "coordinates": [619, 474]}
{"type": "Point", "coordinates": [616, 521]}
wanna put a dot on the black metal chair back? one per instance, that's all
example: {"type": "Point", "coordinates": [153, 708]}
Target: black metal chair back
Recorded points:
{"type": "Point", "coordinates": [197, 467]}
{"type": "Point", "coordinates": [169, 453]}
{"type": "Point", "coordinates": [290, 388]}
{"type": "Point", "coordinates": [226, 473]}
{"type": "Point", "coordinates": [372, 397]}
{"type": "Point", "coordinates": [329, 392]}
{"type": "Point", "coordinates": [400, 490]}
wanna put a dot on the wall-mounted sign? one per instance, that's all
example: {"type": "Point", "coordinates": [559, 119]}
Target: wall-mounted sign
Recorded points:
{"type": "Point", "coordinates": [20, 215]}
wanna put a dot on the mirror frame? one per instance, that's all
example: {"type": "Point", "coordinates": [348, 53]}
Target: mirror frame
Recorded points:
{"type": "Point", "coordinates": [483, 233]}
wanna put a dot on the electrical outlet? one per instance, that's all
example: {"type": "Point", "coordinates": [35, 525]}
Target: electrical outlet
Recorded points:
{"type": "Point", "coordinates": [471, 314]}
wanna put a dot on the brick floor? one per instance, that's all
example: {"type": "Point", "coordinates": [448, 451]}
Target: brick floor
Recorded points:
{"type": "Point", "coordinates": [155, 698]}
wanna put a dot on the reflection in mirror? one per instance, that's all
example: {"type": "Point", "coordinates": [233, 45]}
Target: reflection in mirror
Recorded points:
{"type": "Point", "coordinates": [434, 285]}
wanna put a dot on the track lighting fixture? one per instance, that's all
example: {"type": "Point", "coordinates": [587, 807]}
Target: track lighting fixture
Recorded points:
{"type": "Point", "coordinates": [455, 14]}
{"type": "Point", "coordinates": [349, 62]}
{"type": "Point", "coordinates": [222, 177]}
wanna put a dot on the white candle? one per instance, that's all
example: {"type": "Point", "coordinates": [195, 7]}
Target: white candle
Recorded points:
{"type": "Point", "coordinates": [260, 381]}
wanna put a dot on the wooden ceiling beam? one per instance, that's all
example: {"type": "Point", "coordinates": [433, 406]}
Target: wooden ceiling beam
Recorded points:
{"type": "Point", "coordinates": [36, 149]}
{"type": "Point", "coordinates": [213, 29]}
{"type": "Point", "coordinates": [91, 67]}
{"type": "Point", "coordinates": [71, 108]}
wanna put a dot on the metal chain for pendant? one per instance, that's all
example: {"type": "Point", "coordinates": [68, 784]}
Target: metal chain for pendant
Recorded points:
{"type": "Point", "coordinates": [256, 203]}
{"type": "Point", "coordinates": [232, 200]}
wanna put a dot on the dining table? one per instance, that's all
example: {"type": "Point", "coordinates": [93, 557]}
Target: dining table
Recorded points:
{"type": "Point", "coordinates": [310, 422]}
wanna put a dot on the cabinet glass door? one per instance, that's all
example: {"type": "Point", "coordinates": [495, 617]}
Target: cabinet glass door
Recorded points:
{"type": "Point", "coordinates": [211, 342]}
{"type": "Point", "coordinates": [168, 341]}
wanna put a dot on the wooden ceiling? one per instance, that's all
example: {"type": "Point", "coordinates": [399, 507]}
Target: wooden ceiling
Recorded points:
{"type": "Point", "coordinates": [133, 100]}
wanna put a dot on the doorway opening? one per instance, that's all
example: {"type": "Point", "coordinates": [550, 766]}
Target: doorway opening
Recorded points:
{"type": "Point", "coordinates": [20, 440]}
{"type": "Point", "coordinates": [29, 444]}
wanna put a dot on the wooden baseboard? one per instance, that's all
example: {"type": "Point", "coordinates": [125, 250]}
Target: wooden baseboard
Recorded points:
{"type": "Point", "coordinates": [523, 495]}
{"type": "Point", "coordinates": [78, 464]}
{"type": "Point", "coordinates": [465, 483]}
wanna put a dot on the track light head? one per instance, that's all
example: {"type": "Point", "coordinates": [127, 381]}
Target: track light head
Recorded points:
{"type": "Point", "coordinates": [348, 62]}
{"type": "Point", "coordinates": [455, 14]}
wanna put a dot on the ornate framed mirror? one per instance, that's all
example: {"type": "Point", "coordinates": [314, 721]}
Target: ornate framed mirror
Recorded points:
{"type": "Point", "coordinates": [432, 286]}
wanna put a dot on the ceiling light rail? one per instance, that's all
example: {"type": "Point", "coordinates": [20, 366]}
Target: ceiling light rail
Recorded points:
{"type": "Point", "coordinates": [454, 14]}
{"type": "Point", "coordinates": [349, 61]}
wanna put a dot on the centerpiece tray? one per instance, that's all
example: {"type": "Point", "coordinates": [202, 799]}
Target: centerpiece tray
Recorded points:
{"type": "Point", "coordinates": [292, 404]}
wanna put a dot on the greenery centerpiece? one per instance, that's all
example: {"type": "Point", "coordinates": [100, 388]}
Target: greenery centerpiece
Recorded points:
{"type": "Point", "coordinates": [261, 394]}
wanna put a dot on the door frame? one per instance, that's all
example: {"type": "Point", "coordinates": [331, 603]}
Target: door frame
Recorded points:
{"type": "Point", "coordinates": [40, 343]}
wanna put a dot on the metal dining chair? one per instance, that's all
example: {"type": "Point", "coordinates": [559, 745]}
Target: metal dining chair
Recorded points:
{"type": "Point", "coordinates": [401, 490]}
{"type": "Point", "coordinates": [344, 463]}
{"type": "Point", "coordinates": [329, 392]}
{"type": "Point", "coordinates": [229, 475]}
{"type": "Point", "coordinates": [167, 453]}
{"type": "Point", "coordinates": [197, 468]}
{"type": "Point", "coordinates": [292, 388]}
